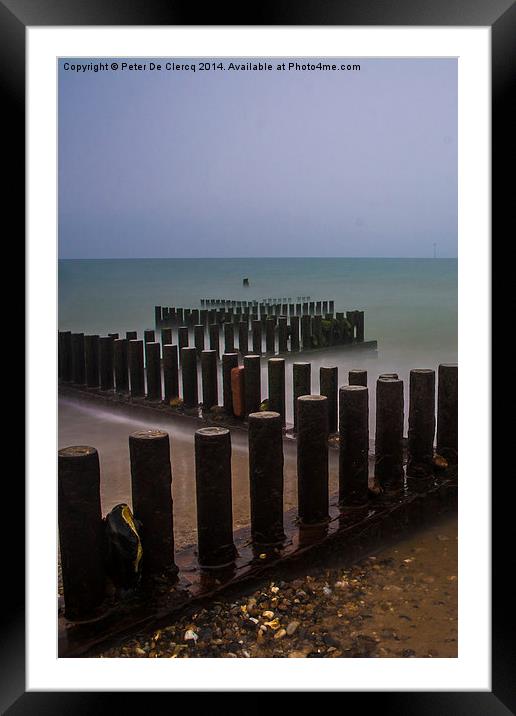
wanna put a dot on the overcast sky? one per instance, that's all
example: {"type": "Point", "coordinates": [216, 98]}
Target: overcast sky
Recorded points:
{"type": "Point", "coordinates": [228, 163]}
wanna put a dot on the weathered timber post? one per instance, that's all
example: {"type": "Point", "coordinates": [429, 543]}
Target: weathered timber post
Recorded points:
{"type": "Point", "coordinates": [229, 361]}
{"type": "Point", "coordinates": [189, 376]}
{"type": "Point", "coordinates": [354, 445]}
{"type": "Point", "coordinates": [388, 460]}
{"type": "Point", "coordinates": [253, 391]}
{"type": "Point", "coordinates": [136, 369]}
{"type": "Point", "coordinates": [447, 411]}
{"type": "Point", "coordinates": [131, 335]}
{"type": "Point", "coordinates": [243, 337]}
{"type": "Point", "coordinates": [387, 376]}
{"type": "Point", "coordinates": [199, 339]}
{"type": "Point", "coordinates": [312, 459]}
{"type": "Point", "coordinates": [360, 326]}
{"type": "Point", "coordinates": [170, 373]}
{"type": "Point", "coordinates": [210, 392]}
{"type": "Point", "coordinates": [121, 365]}
{"type": "Point", "coordinates": [91, 361]}
{"type": "Point", "coordinates": [229, 338]}
{"type": "Point", "coordinates": [328, 386]}
{"type": "Point", "coordinates": [158, 316]}
{"type": "Point", "coordinates": [358, 377]}
{"type": "Point", "coordinates": [266, 477]}
{"type": "Point", "coordinates": [421, 423]}
{"type": "Point", "coordinates": [106, 362]}
{"type": "Point", "coordinates": [149, 336]}
{"type": "Point", "coordinates": [182, 339]}
{"type": "Point", "coordinates": [294, 334]}
{"type": "Point", "coordinates": [78, 366]}
{"type": "Point", "coordinates": [81, 532]}
{"type": "Point", "coordinates": [276, 375]}
{"type": "Point", "coordinates": [256, 328]}
{"type": "Point", "coordinates": [282, 334]}
{"type": "Point", "coordinates": [66, 355]}
{"type": "Point", "coordinates": [166, 337]}
{"type": "Point", "coordinates": [238, 391]}
{"type": "Point", "coordinates": [152, 352]}
{"type": "Point", "coordinates": [270, 340]}
{"type": "Point", "coordinates": [214, 332]}
{"type": "Point", "coordinates": [151, 486]}
{"type": "Point", "coordinates": [317, 331]}
{"type": "Point", "coordinates": [214, 500]}
{"type": "Point", "coordinates": [306, 332]}
{"type": "Point", "coordinates": [301, 384]}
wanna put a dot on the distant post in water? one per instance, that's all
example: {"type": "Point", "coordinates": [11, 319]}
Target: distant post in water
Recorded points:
{"type": "Point", "coordinates": [136, 369]}
{"type": "Point", "coordinates": [301, 384]}
{"type": "Point", "coordinates": [121, 365]}
{"type": "Point", "coordinates": [354, 444]}
{"type": "Point", "coordinates": [276, 375]}
{"type": "Point", "coordinates": [312, 459]}
{"type": "Point", "coordinates": [388, 460]}
{"type": "Point", "coordinates": [421, 423]}
{"type": "Point", "coordinates": [189, 374]}
{"type": "Point", "coordinates": [256, 327]}
{"type": "Point", "coordinates": [158, 317]}
{"type": "Point", "coordinates": [91, 361]}
{"type": "Point", "coordinates": [266, 477]}
{"type": "Point", "coordinates": [81, 531]}
{"type": "Point", "coordinates": [151, 486]}
{"type": "Point", "coordinates": [214, 499]}
{"type": "Point", "coordinates": [153, 371]}
{"type": "Point", "coordinates": [170, 373]}
{"type": "Point", "coordinates": [106, 362]}
{"type": "Point", "coordinates": [78, 366]}
{"type": "Point", "coordinates": [214, 337]}
{"type": "Point", "coordinates": [328, 386]}
{"type": "Point", "coordinates": [358, 377]}
{"type": "Point", "coordinates": [229, 361]}
{"type": "Point", "coordinates": [253, 391]}
{"type": "Point", "coordinates": [210, 393]}
{"type": "Point", "coordinates": [447, 411]}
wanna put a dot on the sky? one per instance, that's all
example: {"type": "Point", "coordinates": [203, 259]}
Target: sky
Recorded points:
{"type": "Point", "coordinates": [231, 163]}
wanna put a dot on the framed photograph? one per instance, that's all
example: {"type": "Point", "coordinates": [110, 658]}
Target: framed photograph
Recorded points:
{"type": "Point", "coordinates": [257, 248]}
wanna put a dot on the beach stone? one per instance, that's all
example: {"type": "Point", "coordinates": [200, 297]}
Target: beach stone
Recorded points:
{"type": "Point", "coordinates": [292, 628]}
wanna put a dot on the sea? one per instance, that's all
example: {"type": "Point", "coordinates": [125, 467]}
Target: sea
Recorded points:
{"type": "Point", "coordinates": [410, 305]}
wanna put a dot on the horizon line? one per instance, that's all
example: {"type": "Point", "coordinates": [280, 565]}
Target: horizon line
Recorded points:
{"type": "Point", "coordinates": [225, 258]}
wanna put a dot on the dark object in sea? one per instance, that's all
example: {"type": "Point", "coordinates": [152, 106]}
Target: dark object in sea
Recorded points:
{"type": "Point", "coordinates": [124, 549]}
{"type": "Point", "coordinates": [245, 282]}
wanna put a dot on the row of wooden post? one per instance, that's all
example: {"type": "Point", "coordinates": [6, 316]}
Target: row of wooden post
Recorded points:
{"type": "Point", "coordinates": [114, 363]}
{"type": "Point", "coordinates": [80, 517]}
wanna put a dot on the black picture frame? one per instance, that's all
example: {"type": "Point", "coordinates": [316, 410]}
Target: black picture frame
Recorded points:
{"type": "Point", "coordinates": [500, 15]}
